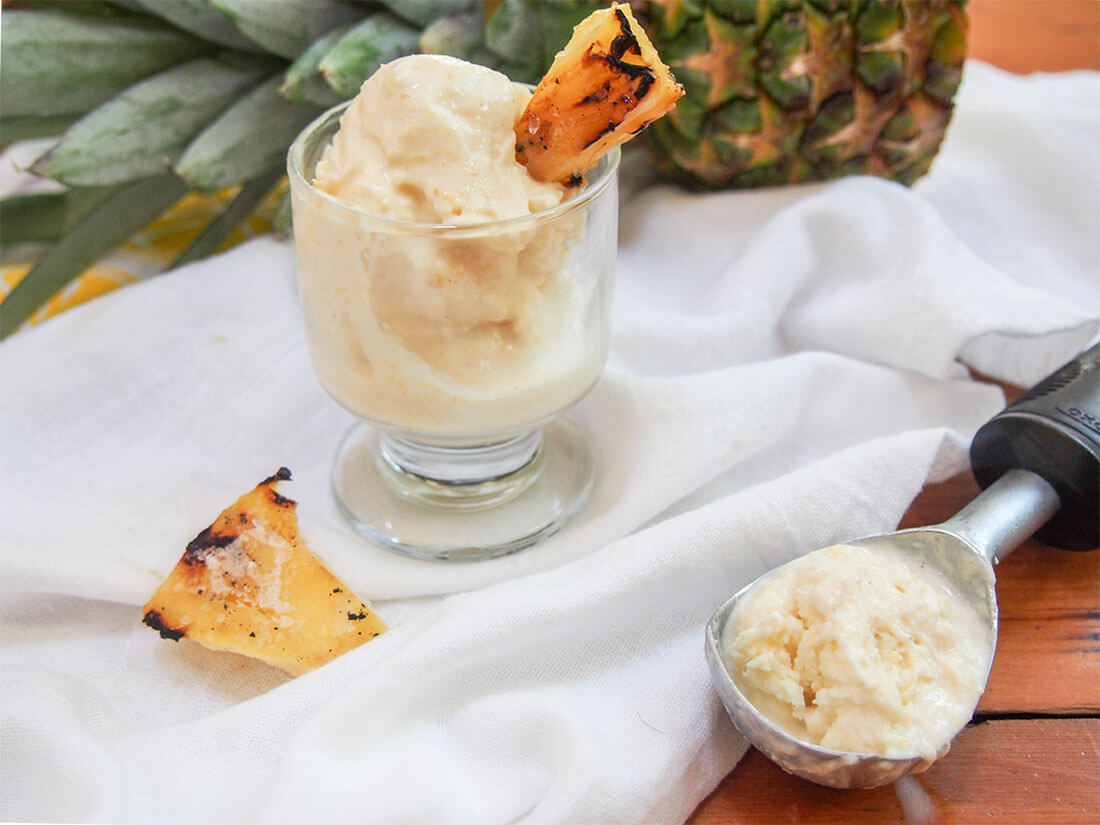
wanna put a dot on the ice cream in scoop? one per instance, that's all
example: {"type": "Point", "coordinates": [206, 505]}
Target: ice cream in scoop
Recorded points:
{"type": "Point", "coordinates": [860, 651]}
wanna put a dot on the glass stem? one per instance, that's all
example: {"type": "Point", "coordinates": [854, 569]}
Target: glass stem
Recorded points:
{"type": "Point", "coordinates": [459, 465]}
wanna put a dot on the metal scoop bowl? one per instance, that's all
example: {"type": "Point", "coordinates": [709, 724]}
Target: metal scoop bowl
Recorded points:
{"type": "Point", "coordinates": [963, 549]}
{"type": "Point", "coordinates": [1039, 462]}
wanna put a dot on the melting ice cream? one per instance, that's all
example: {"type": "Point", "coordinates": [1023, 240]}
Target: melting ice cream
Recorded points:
{"type": "Point", "coordinates": [860, 651]}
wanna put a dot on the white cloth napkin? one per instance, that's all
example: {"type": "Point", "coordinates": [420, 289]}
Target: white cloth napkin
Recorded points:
{"type": "Point", "coordinates": [788, 370]}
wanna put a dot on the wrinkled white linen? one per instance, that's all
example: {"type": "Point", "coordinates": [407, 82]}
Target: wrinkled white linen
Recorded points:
{"type": "Point", "coordinates": [788, 370]}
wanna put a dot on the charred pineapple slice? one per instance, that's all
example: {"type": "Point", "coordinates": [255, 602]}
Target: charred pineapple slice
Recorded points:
{"type": "Point", "coordinates": [248, 584]}
{"type": "Point", "coordinates": [604, 87]}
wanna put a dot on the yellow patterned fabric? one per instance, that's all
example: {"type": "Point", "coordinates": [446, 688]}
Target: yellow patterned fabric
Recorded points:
{"type": "Point", "coordinates": [147, 252]}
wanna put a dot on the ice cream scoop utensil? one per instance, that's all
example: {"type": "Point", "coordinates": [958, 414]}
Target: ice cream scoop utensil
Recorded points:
{"type": "Point", "coordinates": [1039, 464]}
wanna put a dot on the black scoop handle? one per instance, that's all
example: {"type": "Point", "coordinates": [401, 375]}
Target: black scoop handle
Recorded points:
{"type": "Point", "coordinates": [1053, 430]}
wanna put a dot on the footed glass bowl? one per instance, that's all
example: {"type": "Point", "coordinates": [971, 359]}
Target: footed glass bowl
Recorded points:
{"type": "Point", "coordinates": [459, 348]}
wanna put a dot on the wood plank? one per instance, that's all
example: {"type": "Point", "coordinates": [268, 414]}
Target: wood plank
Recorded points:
{"type": "Point", "coordinates": [1049, 602]}
{"type": "Point", "coordinates": [1009, 772]}
{"type": "Point", "coordinates": [1035, 35]}
{"type": "Point", "coordinates": [1048, 650]}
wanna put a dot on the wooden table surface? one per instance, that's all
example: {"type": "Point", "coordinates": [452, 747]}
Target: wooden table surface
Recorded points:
{"type": "Point", "coordinates": [1032, 754]}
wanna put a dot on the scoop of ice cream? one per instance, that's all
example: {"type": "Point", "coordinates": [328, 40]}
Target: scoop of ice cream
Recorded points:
{"type": "Point", "coordinates": [440, 301]}
{"type": "Point", "coordinates": [860, 651]}
{"type": "Point", "coordinates": [430, 138]}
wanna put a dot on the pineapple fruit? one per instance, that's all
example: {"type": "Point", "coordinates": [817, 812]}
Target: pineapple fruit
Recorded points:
{"type": "Point", "coordinates": [604, 87]}
{"type": "Point", "coordinates": [785, 91]}
{"type": "Point", "coordinates": [248, 584]}
{"type": "Point", "coordinates": [157, 98]}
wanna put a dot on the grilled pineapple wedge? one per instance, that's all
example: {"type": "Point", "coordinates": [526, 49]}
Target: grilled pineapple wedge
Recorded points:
{"type": "Point", "coordinates": [248, 584]}
{"type": "Point", "coordinates": [604, 87]}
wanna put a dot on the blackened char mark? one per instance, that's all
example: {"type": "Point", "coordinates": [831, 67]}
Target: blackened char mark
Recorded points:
{"type": "Point", "coordinates": [626, 41]}
{"type": "Point", "coordinates": [156, 621]}
{"type": "Point", "coordinates": [606, 130]}
{"type": "Point", "coordinates": [645, 83]}
{"type": "Point", "coordinates": [597, 96]}
{"type": "Point", "coordinates": [283, 474]}
{"type": "Point", "coordinates": [620, 46]}
{"type": "Point", "coordinates": [641, 77]}
{"type": "Point", "coordinates": [282, 501]}
{"type": "Point", "coordinates": [200, 546]}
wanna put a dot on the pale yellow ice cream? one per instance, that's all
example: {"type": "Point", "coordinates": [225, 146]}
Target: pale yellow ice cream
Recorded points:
{"type": "Point", "coordinates": [453, 331]}
{"type": "Point", "coordinates": [860, 651]}
{"type": "Point", "coordinates": [429, 138]}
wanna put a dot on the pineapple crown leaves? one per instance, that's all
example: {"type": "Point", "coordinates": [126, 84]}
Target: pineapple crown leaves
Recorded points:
{"type": "Point", "coordinates": [154, 98]}
{"type": "Point", "coordinates": [57, 64]}
{"type": "Point", "coordinates": [141, 131]}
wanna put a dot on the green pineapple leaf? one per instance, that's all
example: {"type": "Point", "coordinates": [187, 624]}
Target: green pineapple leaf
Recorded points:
{"type": "Point", "coordinates": [286, 27]}
{"type": "Point", "coordinates": [202, 19]}
{"type": "Point", "coordinates": [303, 82]}
{"type": "Point", "coordinates": [423, 12]}
{"type": "Point", "coordinates": [247, 140]}
{"type": "Point", "coordinates": [26, 127]}
{"type": "Point", "coordinates": [459, 36]}
{"type": "Point", "coordinates": [513, 34]}
{"type": "Point", "coordinates": [358, 54]}
{"type": "Point", "coordinates": [556, 23]}
{"type": "Point", "coordinates": [283, 222]}
{"type": "Point", "coordinates": [120, 216]}
{"type": "Point", "coordinates": [45, 216]}
{"type": "Point", "coordinates": [250, 196]}
{"type": "Point", "coordinates": [32, 218]}
{"type": "Point", "coordinates": [65, 64]}
{"type": "Point", "coordinates": [142, 130]}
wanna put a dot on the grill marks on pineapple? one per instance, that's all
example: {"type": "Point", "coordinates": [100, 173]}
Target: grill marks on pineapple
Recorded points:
{"type": "Point", "coordinates": [597, 96]}
{"type": "Point", "coordinates": [627, 43]}
{"type": "Point", "coordinates": [248, 584]}
{"type": "Point", "coordinates": [282, 474]}
{"type": "Point", "coordinates": [210, 539]}
{"type": "Point", "coordinates": [606, 130]}
{"type": "Point", "coordinates": [637, 79]}
{"type": "Point", "coordinates": [606, 85]}
{"type": "Point", "coordinates": [154, 619]}
{"type": "Point", "coordinates": [225, 530]}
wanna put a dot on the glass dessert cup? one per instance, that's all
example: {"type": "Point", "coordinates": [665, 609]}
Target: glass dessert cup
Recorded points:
{"type": "Point", "coordinates": [460, 348]}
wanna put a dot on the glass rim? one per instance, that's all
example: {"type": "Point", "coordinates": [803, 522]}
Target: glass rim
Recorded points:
{"type": "Point", "coordinates": [606, 171]}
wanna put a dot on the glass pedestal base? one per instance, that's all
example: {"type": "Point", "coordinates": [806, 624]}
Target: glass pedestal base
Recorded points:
{"type": "Point", "coordinates": [461, 504]}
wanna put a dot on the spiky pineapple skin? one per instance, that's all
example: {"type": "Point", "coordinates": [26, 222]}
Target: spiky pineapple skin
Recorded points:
{"type": "Point", "coordinates": [788, 91]}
